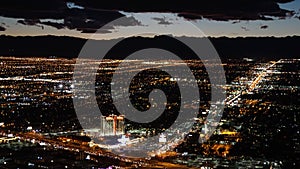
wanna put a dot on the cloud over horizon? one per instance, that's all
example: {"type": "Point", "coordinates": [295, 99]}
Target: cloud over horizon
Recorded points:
{"type": "Point", "coordinates": [88, 16]}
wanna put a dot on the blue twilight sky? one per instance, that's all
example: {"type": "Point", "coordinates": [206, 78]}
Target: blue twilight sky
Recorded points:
{"type": "Point", "coordinates": [169, 22]}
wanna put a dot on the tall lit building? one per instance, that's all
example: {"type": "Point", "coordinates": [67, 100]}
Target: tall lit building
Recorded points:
{"type": "Point", "coordinates": [112, 125]}
{"type": "Point", "coordinates": [162, 138]}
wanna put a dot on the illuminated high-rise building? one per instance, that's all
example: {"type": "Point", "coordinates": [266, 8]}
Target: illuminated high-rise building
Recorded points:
{"type": "Point", "coordinates": [112, 125]}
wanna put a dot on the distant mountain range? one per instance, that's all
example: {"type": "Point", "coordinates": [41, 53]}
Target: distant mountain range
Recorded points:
{"type": "Point", "coordinates": [69, 47]}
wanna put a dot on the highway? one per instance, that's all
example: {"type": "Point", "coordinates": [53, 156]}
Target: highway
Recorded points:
{"type": "Point", "coordinates": [232, 98]}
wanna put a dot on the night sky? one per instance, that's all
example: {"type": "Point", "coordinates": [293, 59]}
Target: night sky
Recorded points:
{"type": "Point", "coordinates": [80, 19]}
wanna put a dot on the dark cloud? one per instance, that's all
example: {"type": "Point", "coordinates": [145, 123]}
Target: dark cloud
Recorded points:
{"type": "Point", "coordinates": [234, 22]}
{"type": "Point", "coordinates": [264, 27]}
{"type": "Point", "coordinates": [162, 21]}
{"type": "Point", "coordinates": [195, 9]}
{"type": "Point", "coordinates": [29, 21]}
{"type": "Point", "coordinates": [54, 24]}
{"type": "Point", "coordinates": [82, 24]}
{"type": "Point", "coordinates": [88, 16]}
{"type": "Point", "coordinates": [2, 28]}
{"type": "Point", "coordinates": [32, 11]}
{"type": "Point", "coordinates": [128, 21]}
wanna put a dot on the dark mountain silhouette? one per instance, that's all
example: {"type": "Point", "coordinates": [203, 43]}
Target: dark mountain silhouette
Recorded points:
{"type": "Point", "coordinates": [69, 47]}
